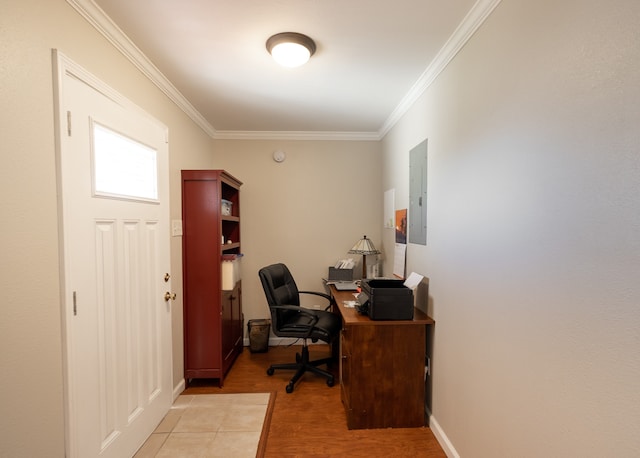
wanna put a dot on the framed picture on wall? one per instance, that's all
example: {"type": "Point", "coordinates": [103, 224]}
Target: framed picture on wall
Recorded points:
{"type": "Point", "coordinates": [401, 226]}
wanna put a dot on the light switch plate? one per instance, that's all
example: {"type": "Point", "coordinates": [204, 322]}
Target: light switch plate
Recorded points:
{"type": "Point", "coordinates": [176, 228]}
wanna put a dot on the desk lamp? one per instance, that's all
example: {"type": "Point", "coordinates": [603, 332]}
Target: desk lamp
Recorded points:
{"type": "Point", "coordinates": [364, 246]}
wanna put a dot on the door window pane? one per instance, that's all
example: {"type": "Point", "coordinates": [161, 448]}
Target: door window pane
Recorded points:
{"type": "Point", "coordinates": [123, 167]}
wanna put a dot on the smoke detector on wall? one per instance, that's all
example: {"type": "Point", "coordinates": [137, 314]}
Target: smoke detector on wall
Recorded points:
{"type": "Point", "coordinates": [279, 156]}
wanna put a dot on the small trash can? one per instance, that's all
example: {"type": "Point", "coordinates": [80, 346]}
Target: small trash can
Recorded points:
{"type": "Point", "coordinates": [259, 335]}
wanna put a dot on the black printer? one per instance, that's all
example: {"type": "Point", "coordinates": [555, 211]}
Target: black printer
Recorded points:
{"type": "Point", "coordinates": [385, 299]}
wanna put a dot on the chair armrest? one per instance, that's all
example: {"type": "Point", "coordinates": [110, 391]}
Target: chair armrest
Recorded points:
{"type": "Point", "coordinates": [323, 295]}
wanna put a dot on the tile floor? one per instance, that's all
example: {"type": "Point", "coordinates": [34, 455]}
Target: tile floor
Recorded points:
{"type": "Point", "coordinates": [209, 425]}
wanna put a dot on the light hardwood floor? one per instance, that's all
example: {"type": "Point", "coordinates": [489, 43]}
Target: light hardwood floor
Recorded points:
{"type": "Point", "coordinates": [311, 422]}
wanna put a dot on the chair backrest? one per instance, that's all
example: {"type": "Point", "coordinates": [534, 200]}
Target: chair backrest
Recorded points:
{"type": "Point", "coordinates": [280, 289]}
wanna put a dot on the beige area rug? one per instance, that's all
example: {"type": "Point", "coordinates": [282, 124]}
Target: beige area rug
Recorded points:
{"type": "Point", "coordinates": [212, 425]}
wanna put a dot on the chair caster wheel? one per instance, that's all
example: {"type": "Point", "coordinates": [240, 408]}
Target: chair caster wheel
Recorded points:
{"type": "Point", "coordinates": [330, 381]}
{"type": "Point", "coordinates": [289, 388]}
{"type": "Point", "coordinates": [270, 371]}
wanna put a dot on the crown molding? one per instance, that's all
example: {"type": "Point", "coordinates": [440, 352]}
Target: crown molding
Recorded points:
{"type": "Point", "coordinates": [296, 135]}
{"type": "Point", "coordinates": [463, 33]}
{"type": "Point", "coordinates": [103, 23]}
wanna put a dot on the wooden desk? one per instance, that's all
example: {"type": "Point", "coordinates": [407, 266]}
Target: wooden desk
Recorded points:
{"type": "Point", "coordinates": [381, 368]}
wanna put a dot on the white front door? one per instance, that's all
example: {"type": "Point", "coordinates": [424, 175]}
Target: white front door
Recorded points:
{"type": "Point", "coordinates": [114, 200]}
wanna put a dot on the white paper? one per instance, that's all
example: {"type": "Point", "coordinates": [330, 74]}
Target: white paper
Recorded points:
{"type": "Point", "coordinates": [389, 209]}
{"type": "Point", "coordinates": [413, 280]}
{"type": "Point", "coordinates": [399, 259]}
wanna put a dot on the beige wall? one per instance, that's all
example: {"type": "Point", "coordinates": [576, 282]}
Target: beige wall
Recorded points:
{"type": "Point", "coordinates": [307, 211]}
{"type": "Point", "coordinates": [285, 207]}
{"type": "Point", "coordinates": [533, 231]}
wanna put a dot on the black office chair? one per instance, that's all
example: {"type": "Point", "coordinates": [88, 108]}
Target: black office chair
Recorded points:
{"type": "Point", "coordinates": [289, 319]}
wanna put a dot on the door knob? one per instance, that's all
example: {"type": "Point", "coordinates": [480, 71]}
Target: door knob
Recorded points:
{"type": "Point", "coordinates": [168, 296]}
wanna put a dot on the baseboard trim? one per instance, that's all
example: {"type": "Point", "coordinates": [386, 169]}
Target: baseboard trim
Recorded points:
{"type": "Point", "coordinates": [442, 438]}
{"type": "Point", "coordinates": [178, 389]}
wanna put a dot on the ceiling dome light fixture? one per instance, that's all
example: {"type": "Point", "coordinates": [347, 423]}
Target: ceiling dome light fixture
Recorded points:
{"type": "Point", "coordinates": [291, 49]}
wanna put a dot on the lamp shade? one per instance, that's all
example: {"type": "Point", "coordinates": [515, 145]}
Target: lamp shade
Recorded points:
{"type": "Point", "coordinates": [291, 49]}
{"type": "Point", "coordinates": [364, 246]}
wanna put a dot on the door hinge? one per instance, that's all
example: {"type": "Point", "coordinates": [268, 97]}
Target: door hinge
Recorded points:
{"type": "Point", "coordinates": [69, 123]}
{"type": "Point", "coordinates": [75, 305]}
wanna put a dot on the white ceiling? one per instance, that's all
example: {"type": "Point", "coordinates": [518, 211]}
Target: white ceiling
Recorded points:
{"type": "Point", "coordinates": [372, 57]}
